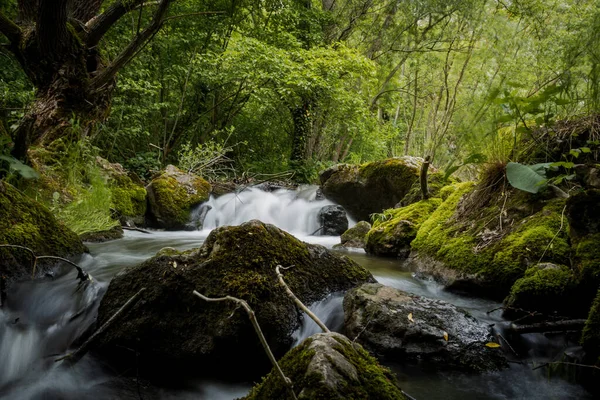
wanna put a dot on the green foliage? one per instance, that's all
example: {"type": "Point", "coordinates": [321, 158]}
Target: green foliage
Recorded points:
{"type": "Point", "coordinates": [531, 179]}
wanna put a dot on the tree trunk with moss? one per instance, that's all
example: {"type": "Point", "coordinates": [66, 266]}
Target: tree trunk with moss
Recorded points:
{"type": "Point", "coordinates": [56, 42]}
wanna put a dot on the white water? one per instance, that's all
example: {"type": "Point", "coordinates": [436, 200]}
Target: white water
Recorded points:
{"type": "Point", "coordinates": [293, 211]}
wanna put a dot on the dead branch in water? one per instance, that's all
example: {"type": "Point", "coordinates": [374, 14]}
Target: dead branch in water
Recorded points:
{"type": "Point", "coordinates": [75, 356]}
{"type": "Point", "coordinates": [297, 300]}
{"type": "Point", "coordinates": [81, 274]}
{"type": "Point", "coordinates": [568, 325]}
{"type": "Point", "coordinates": [565, 363]}
{"type": "Point", "coordinates": [133, 228]}
{"type": "Point", "coordinates": [261, 336]}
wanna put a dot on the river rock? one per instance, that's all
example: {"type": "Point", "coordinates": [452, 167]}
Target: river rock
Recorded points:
{"type": "Point", "coordinates": [405, 327]}
{"type": "Point", "coordinates": [25, 222]}
{"type": "Point", "coordinates": [591, 332]}
{"type": "Point", "coordinates": [355, 236]}
{"type": "Point", "coordinates": [173, 195]}
{"type": "Point", "coordinates": [174, 330]}
{"type": "Point", "coordinates": [333, 220]}
{"type": "Point", "coordinates": [128, 195]}
{"type": "Point", "coordinates": [329, 366]}
{"type": "Point", "coordinates": [370, 188]}
{"type": "Point", "coordinates": [396, 228]}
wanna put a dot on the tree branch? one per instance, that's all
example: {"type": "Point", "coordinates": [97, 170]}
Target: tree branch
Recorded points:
{"type": "Point", "coordinates": [261, 336]}
{"type": "Point", "coordinates": [134, 46]}
{"type": "Point", "coordinates": [98, 26]}
{"type": "Point", "coordinates": [9, 29]}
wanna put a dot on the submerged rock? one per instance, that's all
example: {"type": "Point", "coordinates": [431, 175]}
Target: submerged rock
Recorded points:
{"type": "Point", "coordinates": [372, 187]}
{"type": "Point", "coordinates": [172, 195]}
{"type": "Point", "coordinates": [396, 228]}
{"type": "Point", "coordinates": [329, 366]}
{"type": "Point", "coordinates": [25, 222]}
{"type": "Point", "coordinates": [355, 236]}
{"type": "Point", "coordinates": [407, 327]}
{"type": "Point", "coordinates": [173, 330]}
{"type": "Point", "coordinates": [333, 220]}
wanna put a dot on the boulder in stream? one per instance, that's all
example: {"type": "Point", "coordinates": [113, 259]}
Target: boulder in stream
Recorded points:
{"type": "Point", "coordinates": [173, 195]}
{"type": "Point", "coordinates": [370, 188]}
{"type": "Point", "coordinates": [173, 330]}
{"type": "Point", "coordinates": [355, 236]}
{"type": "Point", "coordinates": [333, 220]}
{"type": "Point", "coordinates": [329, 366]}
{"type": "Point", "coordinates": [25, 222]}
{"type": "Point", "coordinates": [406, 327]}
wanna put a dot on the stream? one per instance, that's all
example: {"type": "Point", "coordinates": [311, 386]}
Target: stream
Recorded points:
{"type": "Point", "coordinates": [42, 319]}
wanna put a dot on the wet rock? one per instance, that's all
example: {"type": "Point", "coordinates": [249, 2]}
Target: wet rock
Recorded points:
{"type": "Point", "coordinates": [173, 195]}
{"type": "Point", "coordinates": [329, 366]}
{"type": "Point", "coordinates": [372, 187]}
{"type": "Point", "coordinates": [544, 288]}
{"type": "Point", "coordinates": [333, 220]}
{"type": "Point", "coordinates": [405, 327]}
{"type": "Point", "coordinates": [395, 229]}
{"type": "Point", "coordinates": [174, 330]}
{"type": "Point", "coordinates": [590, 338]}
{"type": "Point", "coordinates": [103, 236]}
{"type": "Point", "coordinates": [25, 222]}
{"type": "Point", "coordinates": [355, 236]}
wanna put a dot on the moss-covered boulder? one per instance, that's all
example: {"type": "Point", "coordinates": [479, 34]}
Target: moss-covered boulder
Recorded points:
{"type": "Point", "coordinates": [172, 195]}
{"type": "Point", "coordinates": [114, 233]}
{"type": "Point", "coordinates": [395, 229]}
{"type": "Point", "coordinates": [545, 288]}
{"type": "Point", "coordinates": [25, 222]}
{"type": "Point", "coordinates": [128, 195]}
{"type": "Point", "coordinates": [406, 327]}
{"type": "Point", "coordinates": [328, 366]}
{"type": "Point", "coordinates": [483, 239]}
{"type": "Point", "coordinates": [590, 338]}
{"type": "Point", "coordinates": [174, 330]}
{"type": "Point", "coordinates": [370, 188]}
{"type": "Point", "coordinates": [355, 236]}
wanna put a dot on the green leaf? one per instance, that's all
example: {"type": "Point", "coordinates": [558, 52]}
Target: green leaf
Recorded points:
{"type": "Point", "coordinates": [575, 152]}
{"type": "Point", "coordinates": [24, 170]}
{"type": "Point", "coordinates": [523, 177]}
{"type": "Point", "coordinates": [585, 150]}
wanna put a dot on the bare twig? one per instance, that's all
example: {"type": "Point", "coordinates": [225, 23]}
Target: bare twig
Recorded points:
{"type": "Point", "coordinates": [565, 363]}
{"type": "Point", "coordinates": [263, 341]}
{"type": "Point", "coordinates": [81, 274]}
{"type": "Point", "coordinates": [75, 356]}
{"type": "Point", "coordinates": [568, 325]}
{"type": "Point", "coordinates": [297, 300]}
{"type": "Point", "coordinates": [562, 218]}
{"type": "Point", "coordinates": [508, 344]}
{"type": "Point", "coordinates": [133, 228]}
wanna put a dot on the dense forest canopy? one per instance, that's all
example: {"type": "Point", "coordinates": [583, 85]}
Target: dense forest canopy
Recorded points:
{"type": "Point", "coordinates": [294, 84]}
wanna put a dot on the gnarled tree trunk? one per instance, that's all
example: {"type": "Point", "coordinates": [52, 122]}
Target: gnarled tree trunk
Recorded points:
{"type": "Point", "coordinates": [56, 43]}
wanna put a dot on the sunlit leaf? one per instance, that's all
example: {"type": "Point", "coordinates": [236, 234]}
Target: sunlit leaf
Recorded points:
{"type": "Point", "coordinates": [492, 345]}
{"type": "Point", "coordinates": [410, 318]}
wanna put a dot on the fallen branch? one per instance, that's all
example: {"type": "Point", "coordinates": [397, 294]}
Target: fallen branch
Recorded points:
{"type": "Point", "coordinates": [424, 188]}
{"type": "Point", "coordinates": [75, 356]}
{"type": "Point", "coordinates": [81, 274]}
{"type": "Point", "coordinates": [297, 300]}
{"type": "Point", "coordinates": [566, 363]}
{"type": "Point", "coordinates": [132, 228]}
{"type": "Point", "coordinates": [263, 341]}
{"type": "Point", "coordinates": [568, 325]}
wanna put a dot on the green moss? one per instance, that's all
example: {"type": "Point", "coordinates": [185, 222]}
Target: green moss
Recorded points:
{"type": "Point", "coordinates": [129, 200]}
{"type": "Point", "coordinates": [543, 288]}
{"type": "Point", "coordinates": [590, 338]}
{"type": "Point", "coordinates": [395, 229]}
{"type": "Point", "coordinates": [25, 222]}
{"type": "Point", "coordinates": [460, 243]}
{"type": "Point", "coordinates": [587, 255]}
{"type": "Point", "coordinates": [435, 183]}
{"type": "Point", "coordinates": [174, 195]}
{"type": "Point", "coordinates": [374, 381]}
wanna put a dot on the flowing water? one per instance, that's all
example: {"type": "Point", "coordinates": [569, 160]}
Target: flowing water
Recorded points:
{"type": "Point", "coordinates": [42, 318]}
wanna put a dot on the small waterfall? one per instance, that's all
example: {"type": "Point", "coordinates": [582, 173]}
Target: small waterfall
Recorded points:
{"type": "Point", "coordinates": [293, 211]}
{"type": "Point", "coordinates": [329, 310]}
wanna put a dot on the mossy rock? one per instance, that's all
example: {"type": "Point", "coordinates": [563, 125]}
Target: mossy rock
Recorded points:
{"type": "Point", "coordinates": [590, 338]}
{"type": "Point", "coordinates": [174, 330]}
{"type": "Point", "coordinates": [103, 236]}
{"type": "Point", "coordinates": [435, 182]}
{"type": "Point", "coordinates": [128, 195]}
{"type": "Point", "coordinates": [396, 228]}
{"type": "Point", "coordinates": [355, 236]}
{"type": "Point", "coordinates": [370, 188]}
{"type": "Point", "coordinates": [545, 288]}
{"type": "Point", "coordinates": [329, 366]}
{"type": "Point", "coordinates": [25, 222]}
{"type": "Point", "coordinates": [488, 247]}
{"type": "Point", "coordinates": [172, 195]}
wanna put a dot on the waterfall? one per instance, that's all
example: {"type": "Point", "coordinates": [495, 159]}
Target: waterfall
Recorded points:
{"type": "Point", "coordinates": [295, 211]}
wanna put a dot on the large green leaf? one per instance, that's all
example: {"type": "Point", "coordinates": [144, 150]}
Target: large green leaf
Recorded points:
{"type": "Point", "coordinates": [526, 178]}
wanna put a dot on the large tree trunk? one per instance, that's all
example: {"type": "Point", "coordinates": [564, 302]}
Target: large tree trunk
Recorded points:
{"type": "Point", "coordinates": [56, 43]}
{"type": "Point", "coordinates": [302, 129]}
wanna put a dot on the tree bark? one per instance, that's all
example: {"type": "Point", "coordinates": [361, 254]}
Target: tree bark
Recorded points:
{"type": "Point", "coordinates": [302, 126]}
